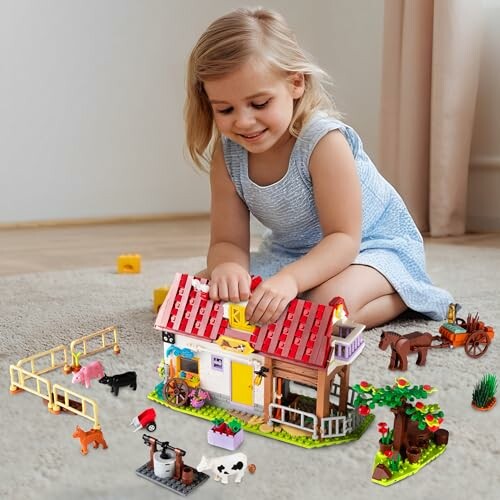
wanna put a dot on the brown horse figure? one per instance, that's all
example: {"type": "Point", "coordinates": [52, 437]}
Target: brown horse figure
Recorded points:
{"type": "Point", "coordinates": [402, 345]}
{"type": "Point", "coordinates": [86, 437]}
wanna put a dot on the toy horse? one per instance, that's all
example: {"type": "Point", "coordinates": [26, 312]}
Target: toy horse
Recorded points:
{"type": "Point", "coordinates": [86, 437]}
{"type": "Point", "coordinates": [402, 345]}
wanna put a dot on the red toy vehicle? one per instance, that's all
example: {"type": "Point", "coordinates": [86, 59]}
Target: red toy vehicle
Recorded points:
{"type": "Point", "coordinates": [146, 420]}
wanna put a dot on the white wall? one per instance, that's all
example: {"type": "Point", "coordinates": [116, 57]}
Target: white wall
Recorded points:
{"type": "Point", "coordinates": [91, 96]}
{"type": "Point", "coordinates": [483, 201]}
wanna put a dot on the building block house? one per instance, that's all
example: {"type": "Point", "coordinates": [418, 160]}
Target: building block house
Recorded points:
{"type": "Point", "coordinates": [209, 345]}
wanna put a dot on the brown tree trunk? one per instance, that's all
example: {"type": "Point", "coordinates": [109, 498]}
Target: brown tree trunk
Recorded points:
{"type": "Point", "coordinates": [400, 429]}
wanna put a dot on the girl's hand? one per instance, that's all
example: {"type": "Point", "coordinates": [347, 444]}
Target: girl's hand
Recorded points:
{"type": "Point", "coordinates": [229, 281]}
{"type": "Point", "coordinates": [270, 299]}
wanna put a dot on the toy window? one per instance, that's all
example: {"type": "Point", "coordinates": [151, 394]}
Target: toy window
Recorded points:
{"type": "Point", "coordinates": [237, 318]}
{"type": "Point", "coordinates": [189, 365]}
{"type": "Point", "coordinates": [217, 363]}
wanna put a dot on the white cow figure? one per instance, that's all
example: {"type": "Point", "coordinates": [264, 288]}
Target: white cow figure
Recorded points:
{"type": "Point", "coordinates": [229, 465]}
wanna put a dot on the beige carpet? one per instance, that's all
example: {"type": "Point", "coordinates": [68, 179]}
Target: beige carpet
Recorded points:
{"type": "Point", "coordinates": [40, 459]}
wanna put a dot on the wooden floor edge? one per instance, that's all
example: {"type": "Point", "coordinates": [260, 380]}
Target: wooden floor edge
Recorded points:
{"type": "Point", "coordinates": [105, 220]}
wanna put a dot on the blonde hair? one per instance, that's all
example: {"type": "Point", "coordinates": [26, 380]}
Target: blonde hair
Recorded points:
{"type": "Point", "coordinates": [229, 42]}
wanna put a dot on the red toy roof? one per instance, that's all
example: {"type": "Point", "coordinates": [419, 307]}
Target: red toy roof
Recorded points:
{"type": "Point", "coordinates": [302, 334]}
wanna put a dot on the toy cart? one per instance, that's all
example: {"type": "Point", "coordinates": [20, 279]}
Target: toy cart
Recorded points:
{"type": "Point", "coordinates": [145, 420]}
{"type": "Point", "coordinates": [471, 333]}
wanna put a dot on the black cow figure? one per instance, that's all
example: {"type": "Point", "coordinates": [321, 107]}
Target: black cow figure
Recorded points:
{"type": "Point", "coordinates": [121, 380]}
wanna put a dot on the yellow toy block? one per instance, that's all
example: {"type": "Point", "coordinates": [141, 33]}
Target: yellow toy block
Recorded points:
{"type": "Point", "coordinates": [129, 264]}
{"type": "Point", "coordinates": [159, 296]}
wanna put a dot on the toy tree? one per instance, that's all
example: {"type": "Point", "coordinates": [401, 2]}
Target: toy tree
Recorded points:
{"type": "Point", "coordinates": [401, 399]}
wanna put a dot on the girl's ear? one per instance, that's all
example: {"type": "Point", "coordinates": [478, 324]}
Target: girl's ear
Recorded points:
{"type": "Point", "coordinates": [297, 85]}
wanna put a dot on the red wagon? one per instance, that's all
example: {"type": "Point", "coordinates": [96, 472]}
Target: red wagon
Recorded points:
{"type": "Point", "coordinates": [145, 420]}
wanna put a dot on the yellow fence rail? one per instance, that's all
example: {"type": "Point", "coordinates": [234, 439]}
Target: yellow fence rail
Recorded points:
{"type": "Point", "coordinates": [89, 410]}
{"type": "Point", "coordinates": [18, 381]}
{"type": "Point", "coordinates": [50, 360]}
{"type": "Point", "coordinates": [109, 340]}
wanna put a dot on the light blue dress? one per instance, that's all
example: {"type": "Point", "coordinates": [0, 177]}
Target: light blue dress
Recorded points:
{"type": "Point", "coordinates": [391, 243]}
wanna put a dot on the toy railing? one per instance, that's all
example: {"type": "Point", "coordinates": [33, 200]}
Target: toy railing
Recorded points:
{"type": "Point", "coordinates": [63, 400]}
{"type": "Point", "coordinates": [293, 415]}
{"type": "Point", "coordinates": [335, 426]}
{"type": "Point", "coordinates": [43, 386]}
{"type": "Point", "coordinates": [48, 358]}
{"type": "Point", "coordinates": [109, 339]}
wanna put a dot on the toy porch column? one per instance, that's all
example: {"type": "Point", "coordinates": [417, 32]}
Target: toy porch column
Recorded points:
{"type": "Point", "coordinates": [268, 388]}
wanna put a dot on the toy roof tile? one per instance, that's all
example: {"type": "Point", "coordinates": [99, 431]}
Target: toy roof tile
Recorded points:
{"type": "Point", "coordinates": [302, 333]}
{"type": "Point", "coordinates": [188, 310]}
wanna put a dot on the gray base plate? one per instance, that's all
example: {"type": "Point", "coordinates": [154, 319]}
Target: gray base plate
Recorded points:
{"type": "Point", "coordinates": [172, 484]}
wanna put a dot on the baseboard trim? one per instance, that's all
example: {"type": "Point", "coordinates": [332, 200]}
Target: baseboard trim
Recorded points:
{"type": "Point", "coordinates": [129, 219]}
{"type": "Point", "coordinates": [482, 224]}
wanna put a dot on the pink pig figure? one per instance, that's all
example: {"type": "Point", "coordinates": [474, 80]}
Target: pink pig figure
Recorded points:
{"type": "Point", "coordinates": [88, 372]}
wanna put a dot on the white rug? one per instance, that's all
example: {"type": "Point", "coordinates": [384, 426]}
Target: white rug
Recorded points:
{"type": "Point", "coordinates": [40, 459]}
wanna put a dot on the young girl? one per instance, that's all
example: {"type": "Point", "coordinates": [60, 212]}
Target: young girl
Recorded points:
{"type": "Point", "coordinates": [257, 112]}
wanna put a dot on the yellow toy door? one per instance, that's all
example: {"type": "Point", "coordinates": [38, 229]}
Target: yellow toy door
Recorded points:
{"type": "Point", "coordinates": [241, 384]}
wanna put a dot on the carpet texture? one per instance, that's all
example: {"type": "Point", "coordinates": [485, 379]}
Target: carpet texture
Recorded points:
{"type": "Point", "coordinates": [41, 460]}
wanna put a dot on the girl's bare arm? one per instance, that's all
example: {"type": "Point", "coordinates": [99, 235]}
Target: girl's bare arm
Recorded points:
{"type": "Point", "coordinates": [228, 254]}
{"type": "Point", "coordinates": [337, 194]}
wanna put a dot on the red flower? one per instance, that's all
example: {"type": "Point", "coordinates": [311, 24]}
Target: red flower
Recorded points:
{"type": "Point", "coordinates": [382, 427]}
{"type": "Point", "coordinates": [365, 386]}
{"type": "Point", "coordinates": [434, 428]}
{"type": "Point", "coordinates": [364, 410]}
{"type": "Point", "coordinates": [402, 382]}
{"type": "Point", "coordinates": [429, 417]}
{"type": "Point", "coordinates": [420, 406]}
{"type": "Point", "coordinates": [427, 388]}
{"type": "Point", "coordinates": [388, 453]}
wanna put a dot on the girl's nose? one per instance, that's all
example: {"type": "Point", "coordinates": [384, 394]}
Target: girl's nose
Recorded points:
{"type": "Point", "coordinates": [244, 119]}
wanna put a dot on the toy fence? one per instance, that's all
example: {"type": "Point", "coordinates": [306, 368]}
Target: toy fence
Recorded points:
{"type": "Point", "coordinates": [308, 421]}
{"type": "Point", "coordinates": [109, 339]}
{"type": "Point", "coordinates": [25, 375]}
{"type": "Point", "coordinates": [329, 427]}
{"type": "Point", "coordinates": [87, 404]}
{"type": "Point", "coordinates": [50, 360]}
{"type": "Point", "coordinates": [56, 396]}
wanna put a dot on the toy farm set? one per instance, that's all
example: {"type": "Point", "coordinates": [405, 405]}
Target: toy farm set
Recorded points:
{"type": "Point", "coordinates": [287, 381]}
{"type": "Point", "coordinates": [251, 372]}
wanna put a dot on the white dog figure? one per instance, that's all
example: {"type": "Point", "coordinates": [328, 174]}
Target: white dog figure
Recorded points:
{"type": "Point", "coordinates": [229, 465]}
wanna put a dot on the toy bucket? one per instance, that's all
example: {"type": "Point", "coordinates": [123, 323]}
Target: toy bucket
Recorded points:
{"type": "Point", "coordinates": [164, 467]}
